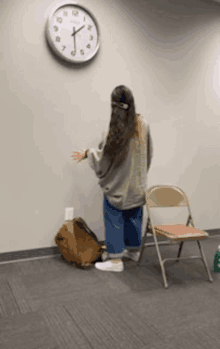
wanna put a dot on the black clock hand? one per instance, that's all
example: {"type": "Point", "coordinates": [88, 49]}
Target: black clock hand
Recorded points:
{"type": "Point", "coordinates": [74, 39]}
{"type": "Point", "coordinates": [74, 33]}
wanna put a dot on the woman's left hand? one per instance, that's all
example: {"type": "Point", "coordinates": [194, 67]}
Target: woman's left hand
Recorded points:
{"type": "Point", "coordinates": [79, 155]}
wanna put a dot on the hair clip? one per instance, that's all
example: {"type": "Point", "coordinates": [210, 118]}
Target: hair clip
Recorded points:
{"type": "Point", "coordinates": [121, 105]}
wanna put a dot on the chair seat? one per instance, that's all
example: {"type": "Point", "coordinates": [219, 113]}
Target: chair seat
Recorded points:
{"type": "Point", "coordinates": [180, 232]}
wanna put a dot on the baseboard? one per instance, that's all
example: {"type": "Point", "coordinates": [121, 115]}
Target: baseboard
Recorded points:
{"type": "Point", "coordinates": [31, 254]}
{"type": "Point", "coordinates": [54, 250]}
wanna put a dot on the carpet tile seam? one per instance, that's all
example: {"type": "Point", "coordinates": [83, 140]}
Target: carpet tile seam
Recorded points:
{"type": "Point", "coordinates": [14, 296]}
{"type": "Point", "coordinates": [128, 326]}
{"type": "Point", "coordinates": [7, 286]}
{"type": "Point", "coordinates": [97, 319]}
{"type": "Point", "coordinates": [79, 329]}
{"type": "Point", "coordinates": [53, 324]}
{"type": "Point", "coordinates": [50, 323]}
{"type": "Point", "coordinates": [140, 320]}
{"type": "Point", "coordinates": [64, 334]}
{"type": "Point", "coordinates": [26, 301]}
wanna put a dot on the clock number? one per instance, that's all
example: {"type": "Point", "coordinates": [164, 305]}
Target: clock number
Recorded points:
{"type": "Point", "coordinates": [63, 48]}
{"type": "Point", "coordinates": [91, 37]}
{"type": "Point", "coordinates": [59, 19]}
{"type": "Point", "coordinates": [73, 53]}
{"type": "Point", "coordinates": [82, 52]}
{"type": "Point", "coordinates": [75, 13]}
{"type": "Point", "coordinates": [88, 46]}
{"type": "Point", "coordinates": [89, 27]}
{"type": "Point", "coordinates": [57, 38]}
{"type": "Point", "coordinates": [65, 13]}
{"type": "Point", "coordinates": [84, 18]}
{"type": "Point", "coordinates": [55, 28]}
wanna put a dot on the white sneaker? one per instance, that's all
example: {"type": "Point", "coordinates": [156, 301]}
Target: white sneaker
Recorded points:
{"type": "Point", "coordinates": [110, 266]}
{"type": "Point", "coordinates": [132, 255]}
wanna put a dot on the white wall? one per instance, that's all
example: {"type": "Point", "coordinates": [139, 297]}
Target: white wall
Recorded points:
{"type": "Point", "coordinates": [167, 52]}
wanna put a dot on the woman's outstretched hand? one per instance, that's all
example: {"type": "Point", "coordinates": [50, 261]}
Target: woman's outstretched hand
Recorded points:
{"type": "Point", "coordinates": [79, 155]}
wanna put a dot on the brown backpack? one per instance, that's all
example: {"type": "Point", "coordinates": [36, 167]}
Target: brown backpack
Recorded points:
{"type": "Point", "coordinates": [78, 244]}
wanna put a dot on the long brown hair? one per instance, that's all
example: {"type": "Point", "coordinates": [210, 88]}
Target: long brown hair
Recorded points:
{"type": "Point", "coordinates": [123, 124]}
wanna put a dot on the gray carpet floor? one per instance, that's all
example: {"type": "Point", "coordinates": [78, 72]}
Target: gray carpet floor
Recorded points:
{"type": "Point", "coordinates": [50, 304]}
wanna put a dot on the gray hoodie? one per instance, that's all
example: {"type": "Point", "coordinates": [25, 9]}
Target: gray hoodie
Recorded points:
{"type": "Point", "coordinates": [125, 187]}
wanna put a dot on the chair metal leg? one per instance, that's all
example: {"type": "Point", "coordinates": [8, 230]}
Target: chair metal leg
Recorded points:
{"type": "Point", "coordinates": [204, 261]}
{"type": "Point", "coordinates": [158, 252]}
{"type": "Point", "coordinates": [143, 242]}
{"type": "Point", "coordinates": [141, 252]}
{"type": "Point", "coordinates": [161, 262]}
{"type": "Point", "coordinates": [189, 220]}
{"type": "Point", "coordinates": [180, 250]}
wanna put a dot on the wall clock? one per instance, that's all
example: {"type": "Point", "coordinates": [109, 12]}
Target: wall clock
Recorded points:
{"type": "Point", "coordinates": [73, 33]}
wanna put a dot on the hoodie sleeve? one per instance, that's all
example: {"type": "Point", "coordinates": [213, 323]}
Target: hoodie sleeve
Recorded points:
{"type": "Point", "coordinates": [95, 157]}
{"type": "Point", "coordinates": [149, 148]}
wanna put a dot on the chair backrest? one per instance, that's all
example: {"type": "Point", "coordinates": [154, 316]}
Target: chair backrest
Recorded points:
{"type": "Point", "coordinates": [166, 196]}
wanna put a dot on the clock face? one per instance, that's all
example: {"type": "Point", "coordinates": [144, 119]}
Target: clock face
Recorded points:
{"type": "Point", "coordinates": [73, 33]}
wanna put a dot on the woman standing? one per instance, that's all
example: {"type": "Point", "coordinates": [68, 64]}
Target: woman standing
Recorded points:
{"type": "Point", "coordinates": [121, 163]}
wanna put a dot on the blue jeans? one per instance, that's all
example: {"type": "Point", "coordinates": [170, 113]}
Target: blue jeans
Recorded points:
{"type": "Point", "coordinates": [122, 229]}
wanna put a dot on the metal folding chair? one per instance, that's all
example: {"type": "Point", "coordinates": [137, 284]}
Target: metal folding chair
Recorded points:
{"type": "Point", "coordinates": [171, 196]}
